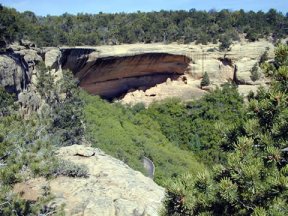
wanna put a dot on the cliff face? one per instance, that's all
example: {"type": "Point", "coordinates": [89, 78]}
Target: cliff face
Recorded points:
{"type": "Point", "coordinates": [14, 73]}
{"type": "Point", "coordinates": [17, 67]}
{"type": "Point", "coordinates": [110, 77]}
{"type": "Point", "coordinates": [141, 70]}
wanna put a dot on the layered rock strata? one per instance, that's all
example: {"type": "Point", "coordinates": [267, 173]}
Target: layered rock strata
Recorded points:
{"type": "Point", "coordinates": [111, 77]}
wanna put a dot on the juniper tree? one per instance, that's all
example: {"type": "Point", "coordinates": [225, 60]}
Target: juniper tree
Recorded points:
{"type": "Point", "coordinates": [255, 74]}
{"type": "Point", "coordinates": [205, 80]}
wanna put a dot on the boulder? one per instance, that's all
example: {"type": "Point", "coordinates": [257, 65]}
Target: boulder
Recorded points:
{"type": "Point", "coordinates": [52, 58]}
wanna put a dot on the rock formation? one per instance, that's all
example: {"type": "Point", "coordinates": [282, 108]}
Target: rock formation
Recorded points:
{"type": "Point", "coordinates": [110, 77]}
{"type": "Point", "coordinates": [138, 72]}
{"type": "Point", "coordinates": [17, 66]}
{"type": "Point", "coordinates": [14, 73]}
{"type": "Point", "coordinates": [112, 187]}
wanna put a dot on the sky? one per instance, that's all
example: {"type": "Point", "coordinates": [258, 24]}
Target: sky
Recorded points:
{"type": "Point", "coordinates": [58, 7]}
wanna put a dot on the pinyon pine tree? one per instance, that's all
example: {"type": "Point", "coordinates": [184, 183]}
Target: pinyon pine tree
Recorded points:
{"type": "Point", "coordinates": [255, 179]}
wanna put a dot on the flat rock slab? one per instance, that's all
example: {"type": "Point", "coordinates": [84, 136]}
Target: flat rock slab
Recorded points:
{"type": "Point", "coordinates": [112, 188]}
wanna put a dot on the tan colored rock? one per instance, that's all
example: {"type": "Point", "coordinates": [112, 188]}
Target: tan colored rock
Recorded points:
{"type": "Point", "coordinates": [112, 187]}
{"type": "Point", "coordinates": [31, 56]}
{"type": "Point", "coordinates": [113, 76]}
{"type": "Point", "coordinates": [174, 89]}
{"type": "Point", "coordinates": [52, 58]}
{"type": "Point", "coordinates": [112, 71]}
{"type": "Point", "coordinates": [31, 190]}
{"type": "Point", "coordinates": [79, 150]}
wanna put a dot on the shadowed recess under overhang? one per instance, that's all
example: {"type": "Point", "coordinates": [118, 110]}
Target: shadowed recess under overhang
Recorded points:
{"type": "Point", "coordinates": [113, 76]}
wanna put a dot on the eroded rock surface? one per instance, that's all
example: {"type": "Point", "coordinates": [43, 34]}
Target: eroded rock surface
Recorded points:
{"type": "Point", "coordinates": [141, 70]}
{"type": "Point", "coordinates": [112, 76]}
{"type": "Point", "coordinates": [14, 73]}
{"type": "Point", "coordinates": [17, 66]}
{"type": "Point", "coordinates": [112, 187]}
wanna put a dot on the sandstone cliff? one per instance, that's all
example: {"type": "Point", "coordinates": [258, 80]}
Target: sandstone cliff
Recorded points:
{"type": "Point", "coordinates": [112, 76]}
{"type": "Point", "coordinates": [149, 72]}
{"type": "Point", "coordinates": [112, 187]}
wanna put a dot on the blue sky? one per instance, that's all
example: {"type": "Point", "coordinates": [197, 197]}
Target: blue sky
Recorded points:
{"type": "Point", "coordinates": [57, 7]}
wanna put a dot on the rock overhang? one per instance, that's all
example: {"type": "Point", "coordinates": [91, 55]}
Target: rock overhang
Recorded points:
{"type": "Point", "coordinates": [113, 76]}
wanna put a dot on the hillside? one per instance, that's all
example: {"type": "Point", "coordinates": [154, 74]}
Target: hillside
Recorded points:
{"type": "Point", "coordinates": [159, 113]}
{"type": "Point", "coordinates": [143, 27]}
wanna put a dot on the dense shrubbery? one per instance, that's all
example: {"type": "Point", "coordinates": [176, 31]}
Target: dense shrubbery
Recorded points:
{"type": "Point", "coordinates": [67, 168]}
{"type": "Point", "coordinates": [163, 26]}
{"type": "Point", "coordinates": [27, 146]}
{"type": "Point", "coordinates": [199, 126]}
{"type": "Point", "coordinates": [254, 180]}
{"type": "Point", "coordinates": [65, 104]}
{"type": "Point", "coordinates": [255, 73]}
{"type": "Point", "coordinates": [130, 134]}
{"type": "Point", "coordinates": [6, 102]}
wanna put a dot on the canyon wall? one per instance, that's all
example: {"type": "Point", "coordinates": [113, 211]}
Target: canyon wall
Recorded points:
{"type": "Point", "coordinates": [113, 76]}
{"type": "Point", "coordinates": [150, 72]}
{"type": "Point", "coordinates": [137, 72]}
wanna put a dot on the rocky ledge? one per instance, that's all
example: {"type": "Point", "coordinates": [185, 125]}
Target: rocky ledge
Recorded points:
{"type": "Point", "coordinates": [112, 187]}
{"type": "Point", "coordinates": [139, 72]}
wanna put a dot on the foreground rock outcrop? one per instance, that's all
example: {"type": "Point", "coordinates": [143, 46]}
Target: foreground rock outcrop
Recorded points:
{"type": "Point", "coordinates": [112, 187]}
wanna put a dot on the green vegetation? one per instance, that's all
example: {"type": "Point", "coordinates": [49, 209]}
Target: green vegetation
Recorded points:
{"type": "Point", "coordinates": [66, 113]}
{"type": "Point", "coordinates": [170, 133]}
{"type": "Point", "coordinates": [255, 73]}
{"type": "Point", "coordinates": [254, 179]}
{"type": "Point", "coordinates": [67, 168]}
{"type": "Point", "coordinates": [6, 102]}
{"type": "Point", "coordinates": [163, 26]}
{"type": "Point", "coordinates": [27, 146]}
{"type": "Point", "coordinates": [205, 80]}
{"type": "Point", "coordinates": [215, 156]}
{"type": "Point", "coordinates": [199, 126]}
{"type": "Point", "coordinates": [264, 56]}
{"type": "Point", "coordinates": [225, 42]}
{"type": "Point", "coordinates": [130, 134]}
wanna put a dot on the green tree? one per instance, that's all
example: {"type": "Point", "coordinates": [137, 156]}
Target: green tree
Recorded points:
{"type": "Point", "coordinates": [67, 114]}
{"type": "Point", "coordinates": [225, 42]}
{"type": "Point", "coordinates": [200, 26]}
{"type": "Point", "coordinates": [264, 57]}
{"type": "Point", "coordinates": [254, 180]}
{"type": "Point", "coordinates": [45, 83]}
{"type": "Point", "coordinates": [255, 73]}
{"type": "Point", "coordinates": [6, 102]}
{"type": "Point", "coordinates": [205, 80]}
